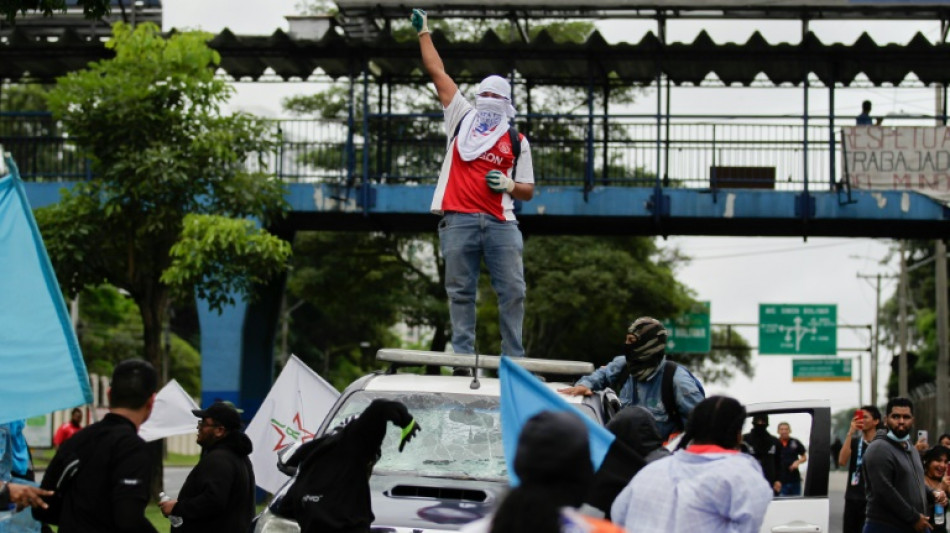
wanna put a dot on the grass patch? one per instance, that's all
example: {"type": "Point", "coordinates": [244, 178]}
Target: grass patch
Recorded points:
{"type": "Point", "coordinates": [154, 515]}
{"type": "Point", "coordinates": [177, 459]}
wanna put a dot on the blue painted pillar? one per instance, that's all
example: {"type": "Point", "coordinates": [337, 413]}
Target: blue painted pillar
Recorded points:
{"type": "Point", "coordinates": [221, 348]}
{"type": "Point", "coordinates": [237, 349]}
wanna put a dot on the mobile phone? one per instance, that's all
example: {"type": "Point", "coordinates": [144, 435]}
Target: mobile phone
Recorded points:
{"type": "Point", "coordinates": [859, 414]}
{"type": "Point", "coordinates": [922, 435]}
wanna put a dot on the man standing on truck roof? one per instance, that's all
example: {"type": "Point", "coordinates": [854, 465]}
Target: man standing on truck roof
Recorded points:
{"type": "Point", "coordinates": [487, 167]}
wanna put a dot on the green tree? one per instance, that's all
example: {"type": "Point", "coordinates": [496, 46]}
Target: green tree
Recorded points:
{"type": "Point", "coordinates": [92, 9]}
{"type": "Point", "coordinates": [583, 291]}
{"type": "Point", "coordinates": [110, 331]}
{"type": "Point", "coordinates": [350, 286]}
{"type": "Point", "coordinates": [167, 214]}
{"type": "Point", "coordinates": [921, 317]}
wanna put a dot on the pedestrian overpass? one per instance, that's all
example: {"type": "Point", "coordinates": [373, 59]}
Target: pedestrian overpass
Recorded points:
{"type": "Point", "coordinates": [604, 173]}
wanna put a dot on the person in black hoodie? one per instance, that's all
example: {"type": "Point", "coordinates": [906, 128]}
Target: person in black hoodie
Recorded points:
{"type": "Point", "coordinates": [218, 494]}
{"type": "Point", "coordinates": [638, 442]}
{"type": "Point", "coordinates": [765, 447]}
{"type": "Point", "coordinates": [331, 490]}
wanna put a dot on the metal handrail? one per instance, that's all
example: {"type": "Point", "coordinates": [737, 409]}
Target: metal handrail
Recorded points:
{"type": "Point", "coordinates": [584, 150]}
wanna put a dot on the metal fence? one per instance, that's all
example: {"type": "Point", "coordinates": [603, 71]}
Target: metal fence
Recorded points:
{"type": "Point", "coordinates": [777, 152]}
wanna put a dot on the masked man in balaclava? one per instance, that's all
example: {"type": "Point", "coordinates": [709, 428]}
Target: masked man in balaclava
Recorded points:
{"type": "Point", "coordinates": [487, 167]}
{"type": "Point", "coordinates": [638, 373]}
{"type": "Point", "coordinates": [766, 448]}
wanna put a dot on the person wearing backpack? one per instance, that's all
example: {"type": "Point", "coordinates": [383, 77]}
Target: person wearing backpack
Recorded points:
{"type": "Point", "coordinates": [101, 476]}
{"type": "Point", "coordinates": [487, 167]}
{"type": "Point", "coordinates": [645, 377]}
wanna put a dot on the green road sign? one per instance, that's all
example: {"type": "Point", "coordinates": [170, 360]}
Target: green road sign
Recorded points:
{"type": "Point", "coordinates": [798, 329]}
{"type": "Point", "coordinates": [821, 369]}
{"type": "Point", "coordinates": [690, 333]}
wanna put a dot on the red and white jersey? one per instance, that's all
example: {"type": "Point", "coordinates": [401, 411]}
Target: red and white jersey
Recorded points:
{"type": "Point", "coordinates": [462, 187]}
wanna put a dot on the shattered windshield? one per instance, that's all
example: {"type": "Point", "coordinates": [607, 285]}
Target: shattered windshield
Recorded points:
{"type": "Point", "coordinates": [460, 437]}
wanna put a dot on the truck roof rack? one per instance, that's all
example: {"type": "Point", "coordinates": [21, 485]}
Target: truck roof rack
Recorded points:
{"type": "Point", "coordinates": [399, 357]}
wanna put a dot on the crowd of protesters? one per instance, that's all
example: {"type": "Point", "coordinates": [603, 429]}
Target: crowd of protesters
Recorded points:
{"type": "Point", "coordinates": [717, 479]}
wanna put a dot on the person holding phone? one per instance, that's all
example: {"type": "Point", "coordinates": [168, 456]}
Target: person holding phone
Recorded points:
{"type": "Point", "coordinates": [863, 428]}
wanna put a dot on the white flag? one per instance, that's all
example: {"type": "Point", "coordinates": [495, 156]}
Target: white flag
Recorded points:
{"type": "Point", "coordinates": [293, 410]}
{"type": "Point", "coordinates": [171, 414]}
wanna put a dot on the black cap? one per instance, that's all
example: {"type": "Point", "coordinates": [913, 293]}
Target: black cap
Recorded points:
{"type": "Point", "coordinates": [760, 419]}
{"type": "Point", "coordinates": [221, 412]}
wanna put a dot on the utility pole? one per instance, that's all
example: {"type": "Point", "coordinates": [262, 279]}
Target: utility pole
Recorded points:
{"type": "Point", "coordinates": [902, 326]}
{"type": "Point", "coordinates": [876, 341]}
{"type": "Point", "coordinates": [943, 356]}
{"type": "Point", "coordinates": [940, 282]}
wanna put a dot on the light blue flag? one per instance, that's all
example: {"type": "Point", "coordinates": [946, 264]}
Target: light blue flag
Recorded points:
{"type": "Point", "coordinates": [523, 396]}
{"type": "Point", "coordinates": [41, 367]}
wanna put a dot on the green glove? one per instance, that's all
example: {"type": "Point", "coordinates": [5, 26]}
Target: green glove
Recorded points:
{"type": "Point", "coordinates": [408, 433]}
{"type": "Point", "coordinates": [499, 182]}
{"type": "Point", "coordinates": [420, 21]}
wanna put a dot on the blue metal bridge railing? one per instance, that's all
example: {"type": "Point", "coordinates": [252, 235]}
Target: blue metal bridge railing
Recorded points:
{"type": "Point", "coordinates": [696, 152]}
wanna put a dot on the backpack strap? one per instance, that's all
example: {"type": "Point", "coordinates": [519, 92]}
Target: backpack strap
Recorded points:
{"type": "Point", "coordinates": [668, 396]}
{"type": "Point", "coordinates": [515, 147]}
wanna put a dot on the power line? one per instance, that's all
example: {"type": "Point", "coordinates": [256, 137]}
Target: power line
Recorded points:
{"type": "Point", "coordinates": [773, 251]}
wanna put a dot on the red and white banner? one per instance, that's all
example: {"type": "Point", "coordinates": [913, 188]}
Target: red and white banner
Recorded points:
{"type": "Point", "coordinates": [293, 410]}
{"type": "Point", "coordinates": [905, 158]}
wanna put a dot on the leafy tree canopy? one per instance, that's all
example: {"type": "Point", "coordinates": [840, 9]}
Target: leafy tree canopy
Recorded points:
{"type": "Point", "coordinates": [165, 211]}
{"type": "Point", "coordinates": [921, 317]}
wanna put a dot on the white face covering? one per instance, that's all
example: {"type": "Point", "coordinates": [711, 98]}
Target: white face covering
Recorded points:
{"type": "Point", "coordinates": [482, 128]}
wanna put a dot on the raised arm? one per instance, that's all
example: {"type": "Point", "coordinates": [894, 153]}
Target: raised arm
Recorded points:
{"type": "Point", "coordinates": [444, 84]}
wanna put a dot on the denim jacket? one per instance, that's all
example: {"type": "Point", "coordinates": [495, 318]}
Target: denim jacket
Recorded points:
{"type": "Point", "coordinates": [649, 393]}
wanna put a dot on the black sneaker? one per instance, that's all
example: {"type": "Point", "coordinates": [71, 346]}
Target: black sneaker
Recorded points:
{"type": "Point", "coordinates": [462, 371]}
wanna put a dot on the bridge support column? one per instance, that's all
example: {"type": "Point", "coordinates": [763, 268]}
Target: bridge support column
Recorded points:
{"type": "Point", "coordinates": [237, 349]}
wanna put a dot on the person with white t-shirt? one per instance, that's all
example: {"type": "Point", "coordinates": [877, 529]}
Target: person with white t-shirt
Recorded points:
{"type": "Point", "coordinates": [482, 175]}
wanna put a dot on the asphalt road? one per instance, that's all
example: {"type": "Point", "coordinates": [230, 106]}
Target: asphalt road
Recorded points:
{"type": "Point", "coordinates": [837, 481]}
{"type": "Point", "coordinates": [174, 478]}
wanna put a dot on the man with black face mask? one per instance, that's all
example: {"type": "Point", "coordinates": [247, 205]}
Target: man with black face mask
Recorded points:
{"type": "Point", "coordinates": [644, 377]}
{"type": "Point", "coordinates": [894, 476]}
{"type": "Point", "coordinates": [487, 167]}
{"type": "Point", "coordinates": [766, 449]}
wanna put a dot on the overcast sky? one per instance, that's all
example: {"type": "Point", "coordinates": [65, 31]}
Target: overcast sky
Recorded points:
{"type": "Point", "coordinates": [735, 274]}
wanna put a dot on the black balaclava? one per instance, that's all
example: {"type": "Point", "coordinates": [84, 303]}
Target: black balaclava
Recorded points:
{"type": "Point", "coordinates": [646, 352]}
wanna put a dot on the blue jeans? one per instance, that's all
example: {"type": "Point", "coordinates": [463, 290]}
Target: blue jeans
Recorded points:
{"type": "Point", "coordinates": [791, 488]}
{"type": "Point", "coordinates": [465, 239]}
